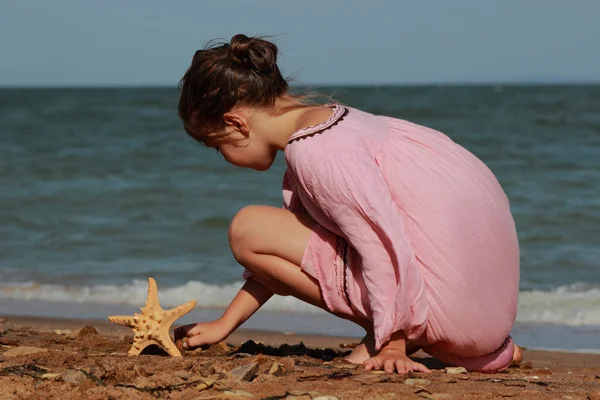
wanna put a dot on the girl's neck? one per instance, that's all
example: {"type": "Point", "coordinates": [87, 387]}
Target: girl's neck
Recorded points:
{"type": "Point", "coordinates": [292, 116]}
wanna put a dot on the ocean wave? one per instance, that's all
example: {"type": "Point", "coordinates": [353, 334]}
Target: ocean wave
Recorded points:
{"type": "Point", "coordinates": [206, 295]}
{"type": "Point", "coordinates": [576, 304]}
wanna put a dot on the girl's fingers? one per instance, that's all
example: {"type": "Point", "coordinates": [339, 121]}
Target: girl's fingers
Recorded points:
{"type": "Point", "coordinates": [193, 342]}
{"type": "Point", "coordinates": [183, 331]}
{"type": "Point", "coordinates": [388, 366]}
{"type": "Point", "coordinates": [421, 368]}
{"type": "Point", "coordinates": [401, 367]}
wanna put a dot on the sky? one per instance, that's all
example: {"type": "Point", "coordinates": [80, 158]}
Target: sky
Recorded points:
{"type": "Point", "coordinates": [151, 42]}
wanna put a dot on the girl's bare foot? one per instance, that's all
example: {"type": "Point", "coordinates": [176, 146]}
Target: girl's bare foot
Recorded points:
{"type": "Point", "coordinates": [366, 350]}
{"type": "Point", "coordinates": [362, 352]}
{"type": "Point", "coordinates": [517, 356]}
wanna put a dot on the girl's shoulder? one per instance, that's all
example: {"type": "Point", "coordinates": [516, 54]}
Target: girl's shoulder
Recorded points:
{"type": "Point", "coordinates": [338, 113]}
{"type": "Point", "coordinates": [345, 130]}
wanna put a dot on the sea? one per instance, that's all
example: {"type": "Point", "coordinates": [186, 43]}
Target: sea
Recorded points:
{"type": "Point", "coordinates": [100, 188]}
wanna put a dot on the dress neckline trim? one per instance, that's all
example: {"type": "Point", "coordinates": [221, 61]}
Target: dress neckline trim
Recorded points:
{"type": "Point", "coordinates": [338, 112]}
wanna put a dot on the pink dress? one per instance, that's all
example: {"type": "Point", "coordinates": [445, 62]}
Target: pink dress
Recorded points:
{"type": "Point", "coordinates": [413, 233]}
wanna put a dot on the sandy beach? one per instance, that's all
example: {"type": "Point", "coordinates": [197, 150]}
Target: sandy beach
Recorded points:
{"type": "Point", "coordinates": [75, 359]}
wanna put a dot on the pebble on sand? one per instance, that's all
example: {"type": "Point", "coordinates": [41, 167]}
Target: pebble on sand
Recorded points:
{"type": "Point", "coordinates": [23, 351]}
{"type": "Point", "coordinates": [73, 377]}
{"type": "Point", "coordinates": [456, 370]}
{"type": "Point", "coordinates": [417, 382]}
{"type": "Point", "coordinates": [86, 332]}
{"type": "Point", "coordinates": [237, 393]}
{"type": "Point", "coordinates": [245, 372]}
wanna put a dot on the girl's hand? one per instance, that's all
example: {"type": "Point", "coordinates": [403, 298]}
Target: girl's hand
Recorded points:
{"type": "Point", "coordinates": [202, 334]}
{"type": "Point", "coordinates": [390, 360]}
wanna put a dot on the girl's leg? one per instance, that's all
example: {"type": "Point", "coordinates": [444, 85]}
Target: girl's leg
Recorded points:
{"type": "Point", "coordinates": [270, 243]}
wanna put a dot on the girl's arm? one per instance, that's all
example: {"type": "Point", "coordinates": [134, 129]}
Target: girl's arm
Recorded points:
{"type": "Point", "coordinates": [248, 300]}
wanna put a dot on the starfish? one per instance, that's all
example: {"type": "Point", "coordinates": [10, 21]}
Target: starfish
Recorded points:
{"type": "Point", "coordinates": [153, 324]}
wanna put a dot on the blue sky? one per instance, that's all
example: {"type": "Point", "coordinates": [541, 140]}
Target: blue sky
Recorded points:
{"type": "Point", "coordinates": [151, 42]}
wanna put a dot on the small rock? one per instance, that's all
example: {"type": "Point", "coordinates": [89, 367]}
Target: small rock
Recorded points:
{"type": "Point", "coordinates": [303, 397]}
{"type": "Point", "coordinates": [377, 372]}
{"type": "Point", "coordinates": [8, 342]}
{"type": "Point", "coordinates": [63, 331]}
{"type": "Point", "coordinates": [276, 369]}
{"type": "Point", "coordinates": [73, 334]}
{"type": "Point", "coordinates": [456, 370]}
{"type": "Point", "coordinates": [423, 393]}
{"type": "Point", "coordinates": [288, 364]}
{"type": "Point", "coordinates": [263, 378]}
{"type": "Point", "coordinates": [207, 384]}
{"type": "Point", "coordinates": [543, 371]}
{"type": "Point", "coordinates": [529, 392]}
{"type": "Point", "coordinates": [261, 359]}
{"type": "Point", "coordinates": [238, 393]}
{"type": "Point", "coordinates": [207, 369]}
{"type": "Point", "coordinates": [515, 384]}
{"type": "Point", "coordinates": [346, 366]}
{"type": "Point", "coordinates": [50, 376]}
{"type": "Point", "coordinates": [417, 382]}
{"type": "Point", "coordinates": [300, 393]}
{"type": "Point", "coordinates": [311, 376]}
{"type": "Point", "coordinates": [526, 365]}
{"type": "Point", "coordinates": [567, 397]}
{"type": "Point", "coordinates": [245, 372]}
{"type": "Point", "coordinates": [241, 355]}
{"type": "Point", "coordinates": [73, 377]}
{"type": "Point", "coordinates": [370, 379]}
{"type": "Point", "coordinates": [86, 332]}
{"type": "Point", "coordinates": [23, 351]}
{"type": "Point", "coordinates": [594, 395]}
{"type": "Point", "coordinates": [183, 375]}
{"type": "Point", "coordinates": [449, 380]}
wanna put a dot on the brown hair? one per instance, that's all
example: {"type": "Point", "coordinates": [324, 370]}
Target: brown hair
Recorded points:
{"type": "Point", "coordinates": [241, 72]}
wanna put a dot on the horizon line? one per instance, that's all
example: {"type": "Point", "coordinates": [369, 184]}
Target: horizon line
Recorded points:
{"type": "Point", "coordinates": [292, 85]}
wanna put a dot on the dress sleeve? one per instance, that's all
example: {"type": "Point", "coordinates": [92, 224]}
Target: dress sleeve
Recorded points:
{"type": "Point", "coordinates": [351, 190]}
{"type": "Point", "coordinates": [290, 196]}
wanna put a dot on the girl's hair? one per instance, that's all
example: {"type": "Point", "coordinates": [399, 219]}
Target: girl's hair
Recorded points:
{"type": "Point", "coordinates": [241, 72]}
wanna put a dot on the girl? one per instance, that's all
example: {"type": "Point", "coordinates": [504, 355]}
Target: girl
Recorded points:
{"type": "Point", "coordinates": [385, 223]}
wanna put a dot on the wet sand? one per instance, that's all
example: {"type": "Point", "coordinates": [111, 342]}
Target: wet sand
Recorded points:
{"type": "Point", "coordinates": [55, 358]}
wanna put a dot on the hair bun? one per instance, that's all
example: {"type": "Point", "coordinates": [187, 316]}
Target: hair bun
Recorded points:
{"type": "Point", "coordinates": [253, 53]}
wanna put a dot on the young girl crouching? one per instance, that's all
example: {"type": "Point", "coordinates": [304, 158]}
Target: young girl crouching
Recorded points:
{"type": "Point", "coordinates": [385, 223]}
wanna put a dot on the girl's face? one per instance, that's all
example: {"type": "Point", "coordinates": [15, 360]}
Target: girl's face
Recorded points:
{"type": "Point", "coordinates": [245, 151]}
{"type": "Point", "coordinates": [248, 142]}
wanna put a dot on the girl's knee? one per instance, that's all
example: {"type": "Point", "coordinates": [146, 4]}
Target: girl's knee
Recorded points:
{"type": "Point", "coordinates": [241, 231]}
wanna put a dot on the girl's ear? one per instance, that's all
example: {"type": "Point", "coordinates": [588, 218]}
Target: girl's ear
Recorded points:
{"type": "Point", "coordinates": [238, 121]}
